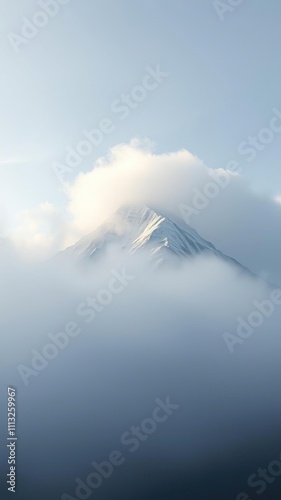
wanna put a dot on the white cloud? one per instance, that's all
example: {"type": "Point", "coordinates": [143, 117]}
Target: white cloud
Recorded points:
{"type": "Point", "coordinates": [130, 174]}
{"type": "Point", "coordinates": [40, 231]}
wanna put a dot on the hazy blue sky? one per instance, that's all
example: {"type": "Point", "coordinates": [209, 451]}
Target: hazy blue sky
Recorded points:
{"type": "Point", "coordinates": [224, 81]}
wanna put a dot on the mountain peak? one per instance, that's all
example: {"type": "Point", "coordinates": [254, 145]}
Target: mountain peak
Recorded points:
{"type": "Point", "coordinates": [136, 228]}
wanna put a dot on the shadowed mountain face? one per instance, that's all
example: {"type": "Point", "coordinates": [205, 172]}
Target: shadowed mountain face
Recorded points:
{"type": "Point", "coordinates": [134, 229]}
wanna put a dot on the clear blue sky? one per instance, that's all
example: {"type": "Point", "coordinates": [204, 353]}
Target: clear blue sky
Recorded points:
{"type": "Point", "coordinates": [224, 82]}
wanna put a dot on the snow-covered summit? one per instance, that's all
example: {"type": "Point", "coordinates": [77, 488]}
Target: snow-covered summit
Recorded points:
{"type": "Point", "coordinates": [134, 229]}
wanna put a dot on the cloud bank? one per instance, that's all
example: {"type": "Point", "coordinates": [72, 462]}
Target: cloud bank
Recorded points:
{"type": "Point", "coordinates": [150, 341]}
